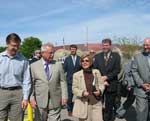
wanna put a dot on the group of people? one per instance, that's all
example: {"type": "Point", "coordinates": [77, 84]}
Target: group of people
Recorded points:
{"type": "Point", "coordinates": [86, 85]}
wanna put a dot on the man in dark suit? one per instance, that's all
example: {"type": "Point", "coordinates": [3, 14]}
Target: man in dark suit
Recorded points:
{"type": "Point", "coordinates": [71, 65]}
{"type": "Point", "coordinates": [108, 63]}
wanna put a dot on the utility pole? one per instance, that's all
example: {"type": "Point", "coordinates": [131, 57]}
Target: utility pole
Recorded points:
{"type": "Point", "coordinates": [87, 38]}
{"type": "Point", "coordinates": [64, 44]}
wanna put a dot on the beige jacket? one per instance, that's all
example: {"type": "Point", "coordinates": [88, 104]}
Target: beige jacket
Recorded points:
{"type": "Point", "coordinates": [56, 86]}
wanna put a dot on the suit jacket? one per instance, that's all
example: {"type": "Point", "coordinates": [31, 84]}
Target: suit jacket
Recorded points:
{"type": "Point", "coordinates": [141, 73]}
{"type": "Point", "coordinates": [70, 69]}
{"type": "Point", "coordinates": [111, 70]}
{"type": "Point", "coordinates": [128, 74]}
{"type": "Point", "coordinates": [79, 83]}
{"type": "Point", "coordinates": [44, 90]}
{"type": "Point", "coordinates": [78, 87]}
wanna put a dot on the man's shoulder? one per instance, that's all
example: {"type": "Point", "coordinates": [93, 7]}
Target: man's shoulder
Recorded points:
{"type": "Point", "coordinates": [21, 56]}
{"type": "Point", "coordinates": [35, 64]}
{"type": "Point", "coordinates": [139, 55]}
{"type": "Point", "coordinates": [98, 55]}
{"type": "Point", "coordinates": [68, 57]}
{"type": "Point", "coordinates": [115, 53]}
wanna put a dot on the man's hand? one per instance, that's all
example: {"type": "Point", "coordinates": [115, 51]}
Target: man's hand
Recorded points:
{"type": "Point", "coordinates": [33, 103]}
{"type": "Point", "coordinates": [85, 93]}
{"type": "Point", "coordinates": [104, 78]}
{"type": "Point", "coordinates": [97, 92]}
{"type": "Point", "coordinates": [106, 83]}
{"type": "Point", "coordinates": [24, 104]}
{"type": "Point", "coordinates": [64, 102]}
{"type": "Point", "coordinates": [146, 87]}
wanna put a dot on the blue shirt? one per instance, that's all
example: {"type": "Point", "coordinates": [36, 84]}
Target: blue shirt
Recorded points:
{"type": "Point", "coordinates": [14, 71]}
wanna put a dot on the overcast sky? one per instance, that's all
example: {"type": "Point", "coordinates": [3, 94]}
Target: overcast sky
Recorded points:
{"type": "Point", "coordinates": [51, 20]}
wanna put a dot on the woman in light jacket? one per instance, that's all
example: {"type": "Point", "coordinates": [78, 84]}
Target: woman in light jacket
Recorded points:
{"type": "Point", "coordinates": [87, 88]}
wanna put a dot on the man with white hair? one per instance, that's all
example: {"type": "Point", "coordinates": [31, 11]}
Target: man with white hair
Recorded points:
{"type": "Point", "coordinates": [49, 85]}
{"type": "Point", "coordinates": [141, 75]}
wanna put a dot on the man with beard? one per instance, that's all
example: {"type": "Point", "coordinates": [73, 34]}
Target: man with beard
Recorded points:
{"type": "Point", "coordinates": [108, 63]}
{"type": "Point", "coordinates": [14, 81]}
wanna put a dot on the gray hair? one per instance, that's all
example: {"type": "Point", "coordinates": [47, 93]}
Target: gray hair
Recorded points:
{"type": "Point", "coordinates": [43, 47]}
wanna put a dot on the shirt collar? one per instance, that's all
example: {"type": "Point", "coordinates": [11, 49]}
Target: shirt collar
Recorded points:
{"type": "Point", "coordinates": [5, 53]}
{"type": "Point", "coordinates": [44, 62]}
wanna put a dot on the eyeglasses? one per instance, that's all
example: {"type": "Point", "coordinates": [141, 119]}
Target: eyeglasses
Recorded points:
{"type": "Point", "coordinates": [85, 61]}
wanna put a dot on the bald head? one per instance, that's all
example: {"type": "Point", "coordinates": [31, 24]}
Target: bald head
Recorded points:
{"type": "Point", "coordinates": [147, 44]}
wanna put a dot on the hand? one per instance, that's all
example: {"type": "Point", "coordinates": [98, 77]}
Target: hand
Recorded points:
{"type": "Point", "coordinates": [97, 92]}
{"type": "Point", "coordinates": [106, 83]}
{"type": "Point", "coordinates": [104, 78]}
{"type": "Point", "coordinates": [64, 102]}
{"type": "Point", "coordinates": [33, 103]}
{"type": "Point", "coordinates": [146, 87]}
{"type": "Point", "coordinates": [129, 88]}
{"type": "Point", "coordinates": [85, 93]}
{"type": "Point", "coordinates": [24, 104]}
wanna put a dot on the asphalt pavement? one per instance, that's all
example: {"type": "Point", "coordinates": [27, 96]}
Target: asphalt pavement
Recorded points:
{"type": "Point", "coordinates": [129, 116]}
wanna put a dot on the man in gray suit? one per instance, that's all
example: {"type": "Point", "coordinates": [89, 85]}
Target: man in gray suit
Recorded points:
{"type": "Point", "coordinates": [141, 75]}
{"type": "Point", "coordinates": [49, 86]}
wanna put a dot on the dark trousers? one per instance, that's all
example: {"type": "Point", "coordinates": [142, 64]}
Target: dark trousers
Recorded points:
{"type": "Point", "coordinates": [109, 99]}
{"type": "Point", "coordinates": [130, 100]}
{"type": "Point", "coordinates": [70, 96]}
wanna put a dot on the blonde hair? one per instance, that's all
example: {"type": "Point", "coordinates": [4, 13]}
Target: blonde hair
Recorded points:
{"type": "Point", "coordinates": [85, 55]}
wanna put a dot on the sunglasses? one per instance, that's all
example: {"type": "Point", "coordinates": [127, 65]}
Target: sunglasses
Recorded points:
{"type": "Point", "coordinates": [85, 61]}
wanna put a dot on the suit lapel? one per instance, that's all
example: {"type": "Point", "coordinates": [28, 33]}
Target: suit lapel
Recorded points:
{"type": "Point", "coordinates": [146, 62]}
{"type": "Point", "coordinates": [109, 60]}
{"type": "Point", "coordinates": [51, 70]}
{"type": "Point", "coordinates": [77, 60]}
{"type": "Point", "coordinates": [71, 60]}
{"type": "Point", "coordinates": [103, 61]}
{"type": "Point", "coordinates": [82, 80]}
{"type": "Point", "coordinates": [41, 68]}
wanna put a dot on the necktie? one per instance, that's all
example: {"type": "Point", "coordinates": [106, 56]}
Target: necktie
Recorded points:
{"type": "Point", "coordinates": [106, 58]}
{"type": "Point", "coordinates": [47, 70]}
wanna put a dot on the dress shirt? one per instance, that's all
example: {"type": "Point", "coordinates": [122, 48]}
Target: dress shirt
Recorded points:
{"type": "Point", "coordinates": [14, 71]}
{"type": "Point", "coordinates": [74, 59]}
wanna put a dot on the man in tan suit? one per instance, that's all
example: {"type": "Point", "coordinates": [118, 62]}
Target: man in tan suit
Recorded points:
{"type": "Point", "coordinates": [49, 86]}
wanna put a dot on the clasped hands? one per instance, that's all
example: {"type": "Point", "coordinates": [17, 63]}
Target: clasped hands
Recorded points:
{"type": "Point", "coordinates": [86, 93]}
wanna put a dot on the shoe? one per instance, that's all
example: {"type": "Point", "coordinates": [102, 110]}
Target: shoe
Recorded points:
{"type": "Point", "coordinates": [69, 113]}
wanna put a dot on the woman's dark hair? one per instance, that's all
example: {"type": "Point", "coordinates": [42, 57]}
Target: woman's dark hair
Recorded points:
{"type": "Point", "coordinates": [13, 38]}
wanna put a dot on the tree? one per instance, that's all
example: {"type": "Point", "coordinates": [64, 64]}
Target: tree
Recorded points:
{"type": "Point", "coordinates": [2, 49]}
{"type": "Point", "coordinates": [128, 45]}
{"type": "Point", "coordinates": [29, 45]}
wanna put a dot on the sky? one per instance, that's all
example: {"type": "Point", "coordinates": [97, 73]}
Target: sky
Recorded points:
{"type": "Point", "coordinates": [53, 20]}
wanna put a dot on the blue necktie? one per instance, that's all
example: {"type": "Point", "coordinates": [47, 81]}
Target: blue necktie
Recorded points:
{"type": "Point", "coordinates": [47, 70]}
